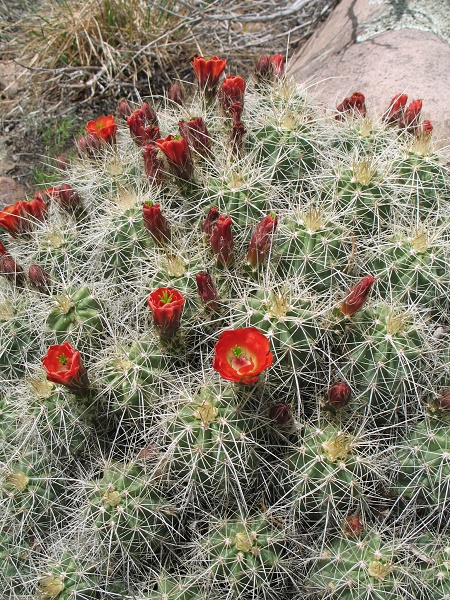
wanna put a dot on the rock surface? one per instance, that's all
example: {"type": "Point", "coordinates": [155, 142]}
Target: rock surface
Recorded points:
{"type": "Point", "coordinates": [10, 191]}
{"type": "Point", "coordinates": [382, 48]}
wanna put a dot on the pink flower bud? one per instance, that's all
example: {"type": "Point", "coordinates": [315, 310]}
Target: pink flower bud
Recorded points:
{"type": "Point", "coordinates": [261, 240]}
{"type": "Point", "coordinates": [11, 270]}
{"type": "Point", "coordinates": [196, 134]}
{"type": "Point", "coordinates": [207, 290]}
{"type": "Point", "coordinates": [396, 109]}
{"type": "Point", "coordinates": [357, 296]}
{"type": "Point", "coordinates": [68, 199]}
{"type": "Point", "coordinates": [39, 278]}
{"type": "Point", "coordinates": [210, 221]}
{"type": "Point", "coordinates": [154, 166]}
{"type": "Point", "coordinates": [280, 413]}
{"type": "Point", "coordinates": [176, 94]}
{"type": "Point", "coordinates": [124, 110]}
{"type": "Point", "coordinates": [338, 395]}
{"type": "Point", "coordinates": [222, 240]}
{"type": "Point", "coordinates": [353, 104]}
{"type": "Point", "coordinates": [155, 222]}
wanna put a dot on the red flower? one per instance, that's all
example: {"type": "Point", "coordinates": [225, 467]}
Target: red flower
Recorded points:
{"type": "Point", "coordinates": [357, 296]}
{"type": "Point", "coordinates": [166, 305]}
{"type": "Point", "coordinates": [155, 222]}
{"type": "Point", "coordinates": [37, 208]}
{"type": "Point", "coordinates": [63, 365]}
{"type": "Point", "coordinates": [338, 395]}
{"type": "Point", "coordinates": [354, 103]}
{"type": "Point", "coordinates": [207, 290]}
{"type": "Point", "coordinates": [208, 71]}
{"type": "Point", "coordinates": [396, 109]}
{"type": "Point", "coordinates": [261, 240]}
{"type": "Point", "coordinates": [232, 91]}
{"type": "Point", "coordinates": [196, 134]}
{"type": "Point", "coordinates": [222, 240]}
{"type": "Point", "coordinates": [104, 128]}
{"type": "Point", "coordinates": [154, 166]}
{"type": "Point", "coordinates": [176, 94]}
{"type": "Point", "coordinates": [12, 218]}
{"type": "Point", "coordinates": [242, 354]}
{"type": "Point", "coordinates": [178, 156]}
{"type": "Point", "coordinates": [142, 124]}
{"type": "Point", "coordinates": [277, 63]}
{"type": "Point", "coordinates": [410, 120]}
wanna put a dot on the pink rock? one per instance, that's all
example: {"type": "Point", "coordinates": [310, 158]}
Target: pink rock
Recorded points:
{"type": "Point", "coordinates": [10, 191]}
{"type": "Point", "coordinates": [341, 58]}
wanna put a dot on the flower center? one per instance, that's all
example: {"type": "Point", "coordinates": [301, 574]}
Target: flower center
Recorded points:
{"type": "Point", "coordinates": [62, 359]}
{"type": "Point", "coordinates": [239, 361]}
{"type": "Point", "coordinates": [166, 297]}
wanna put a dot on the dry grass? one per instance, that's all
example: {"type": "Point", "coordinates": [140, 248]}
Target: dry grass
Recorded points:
{"type": "Point", "coordinates": [86, 48]}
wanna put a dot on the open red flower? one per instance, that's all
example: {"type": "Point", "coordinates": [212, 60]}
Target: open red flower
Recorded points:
{"type": "Point", "coordinates": [242, 354]}
{"type": "Point", "coordinates": [63, 365]}
{"type": "Point", "coordinates": [12, 218]}
{"type": "Point", "coordinates": [166, 305]}
{"type": "Point", "coordinates": [357, 296]}
{"type": "Point", "coordinates": [104, 128]}
{"type": "Point", "coordinates": [178, 155]}
{"type": "Point", "coordinates": [208, 71]}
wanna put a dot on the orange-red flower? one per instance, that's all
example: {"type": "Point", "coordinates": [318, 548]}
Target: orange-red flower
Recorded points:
{"type": "Point", "coordinates": [357, 296]}
{"type": "Point", "coordinates": [104, 128]}
{"type": "Point", "coordinates": [178, 155]}
{"type": "Point", "coordinates": [63, 365]}
{"type": "Point", "coordinates": [396, 109]}
{"type": "Point", "coordinates": [242, 354]}
{"type": "Point", "coordinates": [208, 71]}
{"type": "Point", "coordinates": [12, 218]}
{"type": "Point", "coordinates": [166, 305]}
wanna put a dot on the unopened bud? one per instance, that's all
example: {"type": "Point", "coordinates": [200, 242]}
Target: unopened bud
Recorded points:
{"type": "Point", "coordinates": [261, 240]}
{"type": "Point", "coordinates": [338, 395]}
{"type": "Point", "coordinates": [353, 526]}
{"type": "Point", "coordinates": [68, 197]}
{"type": "Point", "coordinates": [3, 250]}
{"type": "Point", "coordinates": [207, 290]}
{"type": "Point", "coordinates": [39, 278]}
{"type": "Point", "coordinates": [150, 116]}
{"type": "Point", "coordinates": [277, 63]}
{"type": "Point", "coordinates": [444, 399]}
{"type": "Point", "coordinates": [88, 144]}
{"type": "Point", "coordinates": [263, 68]}
{"type": "Point", "coordinates": [396, 109]}
{"type": "Point", "coordinates": [11, 270]}
{"type": "Point", "coordinates": [124, 110]}
{"type": "Point", "coordinates": [210, 221]}
{"type": "Point", "coordinates": [357, 296]}
{"type": "Point", "coordinates": [353, 104]}
{"type": "Point", "coordinates": [176, 94]}
{"type": "Point", "coordinates": [154, 166]}
{"type": "Point", "coordinates": [410, 120]}
{"type": "Point", "coordinates": [62, 162]}
{"type": "Point", "coordinates": [280, 413]}
{"type": "Point", "coordinates": [155, 222]}
{"type": "Point", "coordinates": [222, 240]}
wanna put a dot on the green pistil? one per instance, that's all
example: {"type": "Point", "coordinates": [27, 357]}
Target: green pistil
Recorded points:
{"type": "Point", "coordinates": [272, 216]}
{"type": "Point", "coordinates": [62, 359]}
{"type": "Point", "coordinates": [149, 203]}
{"type": "Point", "coordinates": [165, 297]}
{"type": "Point", "coordinates": [237, 351]}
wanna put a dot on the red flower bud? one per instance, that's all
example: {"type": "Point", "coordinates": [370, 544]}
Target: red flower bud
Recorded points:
{"type": "Point", "coordinates": [178, 156]}
{"type": "Point", "coordinates": [241, 355]}
{"type": "Point", "coordinates": [237, 135]}
{"type": "Point", "coordinates": [353, 526]}
{"type": "Point", "coordinates": [103, 128]}
{"type": "Point", "coordinates": [235, 111]}
{"type": "Point", "coordinates": [210, 221]}
{"type": "Point", "coordinates": [410, 120]}
{"type": "Point", "coordinates": [222, 240]}
{"type": "Point", "coordinates": [425, 130]}
{"type": "Point", "coordinates": [11, 270]}
{"type": "Point", "coordinates": [124, 110]}
{"type": "Point", "coordinates": [207, 290]}
{"type": "Point", "coordinates": [277, 64]}
{"type": "Point", "coordinates": [196, 134]}
{"type": "Point", "coordinates": [261, 240]}
{"type": "Point", "coordinates": [396, 109]}
{"type": "Point", "coordinates": [150, 116]}
{"type": "Point", "coordinates": [263, 68]}
{"type": "Point", "coordinates": [444, 399]}
{"type": "Point", "coordinates": [232, 91]}
{"type": "Point", "coordinates": [155, 222]}
{"type": "Point", "coordinates": [39, 278]}
{"type": "Point", "coordinates": [89, 144]}
{"type": "Point", "coordinates": [338, 395]}
{"type": "Point", "coordinates": [142, 129]}
{"type": "Point", "coordinates": [357, 296]}
{"type": "Point", "coordinates": [62, 162]}
{"type": "Point", "coordinates": [176, 94]}
{"type": "Point", "coordinates": [63, 366]}
{"type": "Point", "coordinates": [280, 413]}
{"type": "Point", "coordinates": [154, 166]}
{"type": "Point", "coordinates": [37, 208]}
{"type": "Point", "coordinates": [166, 305]}
{"type": "Point", "coordinates": [353, 104]}
{"type": "Point", "coordinates": [3, 250]}
{"type": "Point", "coordinates": [208, 71]}
{"type": "Point", "coordinates": [68, 199]}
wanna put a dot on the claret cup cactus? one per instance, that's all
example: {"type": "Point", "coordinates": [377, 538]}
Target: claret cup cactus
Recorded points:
{"type": "Point", "coordinates": [224, 353]}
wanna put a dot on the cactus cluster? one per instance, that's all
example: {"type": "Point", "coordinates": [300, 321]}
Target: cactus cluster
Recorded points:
{"type": "Point", "coordinates": [224, 354]}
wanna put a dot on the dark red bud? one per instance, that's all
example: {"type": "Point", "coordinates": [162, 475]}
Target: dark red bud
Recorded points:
{"type": "Point", "coordinates": [196, 134]}
{"type": "Point", "coordinates": [444, 399]}
{"type": "Point", "coordinates": [62, 162]}
{"type": "Point", "coordinates": [154, 166]}
{"type": "Point", "coordinates": [263, 68]}
{"type": "Point", "coordinates": [277, 64]}
{"type": "Point", "coordinates": [222, 240]}
{"type": "Point", "coordinates": [3, 250]}
{"type": "Point", "coordinates": [150, 116]}
{"type": "Point", "coordinates": [357, 296]}
{"type": "Point", "coordinates": [39, 278]}
{"type": "Point", "coordinates": [237, 135]}
{"type": "Point", "coordinates": [338, 395]}
{"type": "Point", "coordinates": [210, 221]}
{"type": "Point", "coordinates": [396, 109]}
{"type": "Point", "coordinates": [353, 104]}
{"type": "Point", "coordinates": [89, 144]}
{"type": "Point", "coordinates": [261, 240]}
{"type": "Point", "coordinates": [176, 94]}
{"type": "Point", "coordinates": [156, 223]}
{"type": "Point", "coordinates": [11, 270]}
{"type": "Point", "coordinates": [353, 526]}
{"type": "Point", "coordinates": [280, 413]}
{"type": "Point", "coordinates": [68, 197]}
{"type": "Point", "coordinates": [207, 290]}
{"type": "Point", "coordinates": [410, 120]}
{"type": "Point", "coordinates": [235, 111]}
